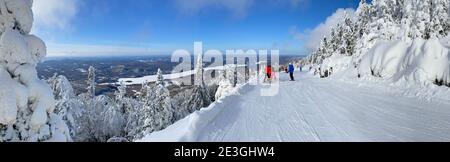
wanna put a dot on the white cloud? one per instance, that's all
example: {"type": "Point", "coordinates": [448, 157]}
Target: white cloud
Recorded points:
{"type": "Point", "coordinates": [297, 34]}
{"type": "Point", "coordinates": [313, 37]}
{"type": "Point", "coordinates": [54, 14]}
{"type": "Point", "coordinates": [98, 50]}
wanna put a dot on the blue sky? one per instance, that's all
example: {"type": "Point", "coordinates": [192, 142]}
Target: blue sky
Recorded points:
{"type": "Point", "coordinates": [115, 27]}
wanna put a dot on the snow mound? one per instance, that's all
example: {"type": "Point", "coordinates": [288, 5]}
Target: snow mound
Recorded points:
{"type": "Point", "coordinates": [422, 61]}
{"type": "Point", "coordinates": [225, 87]}
{"type": "Point", "coordinates": [384, 59]}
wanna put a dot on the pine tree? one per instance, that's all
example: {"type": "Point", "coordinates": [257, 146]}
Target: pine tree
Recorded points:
{"type": "Point", "coordinates": [423, 17]}
{"type": "Point", "coordinates": [439, 18]}
{"type": "Point", "coordinates": [162, 105]}
{"type": "Point", "coordinates": [198, 72]}
{"type": "Point", "coordinates": [67, 104]}
{"type": "Point", "coordinates": [156, 112]}
{"type": "Point", "coordinates": [200, 97]}
{"type": "Point", "coordinates": [362, 18]}
{"type": "Point", "coordinates": [349, 37]}
{"type": "Point", "coordinates": [408, 25]}
{"type": "Point", "coordinates": [225, 85]}
{"type": "Point", "coordinates": [334, 40]}
{"type": "Point", "coordinates": [398, 11]}
{"type": "Point", "coordinates": [384, 19]}
{"type": "Point", "coordinates": [121, 91]}
{"type": "Point", "coordinates": [91, 82]}
{"type": "Point", "coordinates": [102, 117]}
{"type": "Point", "coordinates": [120, 98]}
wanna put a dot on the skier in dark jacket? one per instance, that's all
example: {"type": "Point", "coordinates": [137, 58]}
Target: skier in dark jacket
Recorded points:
{"type": "Point", "coordinates": [291, 71]}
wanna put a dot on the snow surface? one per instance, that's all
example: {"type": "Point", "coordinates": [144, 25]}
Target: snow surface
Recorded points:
{"type": "Point", "coordinates": [313, 109]}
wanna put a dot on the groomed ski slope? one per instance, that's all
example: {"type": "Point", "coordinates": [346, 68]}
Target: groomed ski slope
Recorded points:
{"type": "Point", "coordinates": [312, 109]}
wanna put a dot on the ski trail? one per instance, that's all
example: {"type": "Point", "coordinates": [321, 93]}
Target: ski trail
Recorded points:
{"type": "Point", "coordinates": [312, 109]}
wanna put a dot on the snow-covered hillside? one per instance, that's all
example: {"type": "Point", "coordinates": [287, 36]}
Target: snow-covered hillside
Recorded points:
{"type": "Point", "coordinates": [391, 39]}
{"type": "Point", "coordinates": [313, 109]}
{"type": "Point", "coordinates": [26, 102]}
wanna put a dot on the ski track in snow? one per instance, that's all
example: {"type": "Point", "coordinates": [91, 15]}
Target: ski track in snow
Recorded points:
{"type": "Point", "coordinates": [312, 109]}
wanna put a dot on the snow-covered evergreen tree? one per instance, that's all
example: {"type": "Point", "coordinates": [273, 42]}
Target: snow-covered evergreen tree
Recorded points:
{"type": "Point", "coordinates": [350, 36]}
{"type": "Point", "coordinates": [225, 86]}
{"type": "Point", "coordinates": [362, 18]}
{"type": "Point", "coordinates": [156, 112]}
{"type": "Point", "coordinates": [124, 103]}
{"type": "Point", "coordinates": [161, 105]}
{"type": "Point", "coordinates": [111, 121]}
{"type": "Point", "coordinates": [200, 97]}
{"type": "Point", "coordinates": [383, 24]}
{"type": "Point", "coordinates": [137, 115]}
{"type": "Point", "coordinates": [364, 37]}
{"type": "Point", "coordinates": [26, 102]}
{"type": "Point", "coordinates": [439, 25]}
{"type": "Point", "coordinates": [91, 82]}
{"type": "Point", "coordinates": [67, 104]}
{"type": "Point", "coordinates": [102, 117]}
{"type": "Point", "coordinates": [384, 20]}
{"type": "Point", "coordinates": [121, 92]}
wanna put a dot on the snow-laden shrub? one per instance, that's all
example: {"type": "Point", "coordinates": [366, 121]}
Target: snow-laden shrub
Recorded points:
{"type": "Point", "coordinates": [425, 61]}
{"type": "Point", "coordinates": [101, 119]}
{"type": "Point", "coordinates": [26, 102]}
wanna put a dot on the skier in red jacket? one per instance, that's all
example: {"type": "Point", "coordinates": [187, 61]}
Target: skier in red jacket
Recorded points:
{"type": "Point", "coordinates": [269, 72]}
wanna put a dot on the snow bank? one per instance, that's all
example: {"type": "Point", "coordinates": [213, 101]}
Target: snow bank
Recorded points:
{"type": "Point", "coordinates": [422, 61]}
{"type": "Point", "coordinates": [188, 129]}
{"type": "Point", "coordinates": [384, 59]}
{"type": "Point", "coordinates": [428, 61]}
